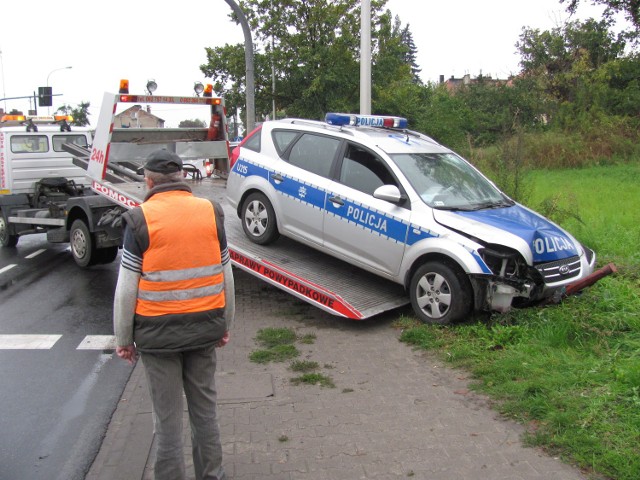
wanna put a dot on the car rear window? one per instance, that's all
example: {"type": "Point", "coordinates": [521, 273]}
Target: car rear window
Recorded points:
{"type": "Point", "coordinates": [283, 138]}
{"type": "Point", "coordinates": [314, 153]}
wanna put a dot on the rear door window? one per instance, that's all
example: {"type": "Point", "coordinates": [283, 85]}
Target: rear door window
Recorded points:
{"type": "Point", "coordinates": [314, 153]}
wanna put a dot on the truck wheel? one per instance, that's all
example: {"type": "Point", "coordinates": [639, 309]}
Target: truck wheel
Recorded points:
{"type": "Point", "coordinates": [82, 244]}
{"type": "Point", "coordinates": [259, 219]}
{"type": "Point", "coordinates": [6, 239]}
{"type": "Point", "coordinates": [440, 294]}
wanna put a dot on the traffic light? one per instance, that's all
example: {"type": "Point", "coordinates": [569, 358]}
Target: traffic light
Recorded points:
{"type": "Point", "coordinates": [45, 98]}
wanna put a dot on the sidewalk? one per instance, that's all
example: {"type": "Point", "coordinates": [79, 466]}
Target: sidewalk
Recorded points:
{"type": "Point", "coordinates": [394, 413]}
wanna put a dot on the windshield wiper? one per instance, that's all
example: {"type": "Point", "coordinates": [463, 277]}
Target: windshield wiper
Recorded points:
{"type": "Point", "coordinates": [488, 205]}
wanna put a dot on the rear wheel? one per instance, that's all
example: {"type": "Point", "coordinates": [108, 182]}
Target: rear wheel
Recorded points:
{"type": "Point", "coordinates": [259, 219]}
{"type": "Point", "coordinates": [82, 244]}
{"type": "Point", "coordinates": [6, 239]}
{"type": "Point", "coordinates": [440, 294]}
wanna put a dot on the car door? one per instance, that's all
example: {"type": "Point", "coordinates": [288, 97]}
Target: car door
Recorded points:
{"type": "Point", "coordinates": [366, 230]}
{"type": "Point", "coordinates": [302, 182]}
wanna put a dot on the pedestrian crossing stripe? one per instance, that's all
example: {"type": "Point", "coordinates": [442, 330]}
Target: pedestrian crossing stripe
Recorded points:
{"type": "Point", "coordinates": [7, 268]}
{"type": "Point", "coordinates": [98, 342]}
{"type": "Point", "coordinates": [28, 342]}
{"type": "Point", "coordinates": [46, 342]}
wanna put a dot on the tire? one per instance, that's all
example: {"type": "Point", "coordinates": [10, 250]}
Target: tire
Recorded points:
{"type": "Point", "coordinates": [82, 244]}
{"type": "Point", "coordinates": [259, 219]}
{"type": "Point", "coordinates": [440, 294]}
{"type": "Point", "coordinates": [6, 239]}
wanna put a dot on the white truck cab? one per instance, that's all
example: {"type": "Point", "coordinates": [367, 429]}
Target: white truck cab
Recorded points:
{"type": "Point", "coordinates": [31, 150]}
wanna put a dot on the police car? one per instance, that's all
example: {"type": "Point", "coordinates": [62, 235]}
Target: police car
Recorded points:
{"type": "Point", "coordinates": [394, 202]}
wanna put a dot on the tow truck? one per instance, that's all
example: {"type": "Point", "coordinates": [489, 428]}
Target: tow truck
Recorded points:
{"type": "Point", "coordinates": [42, 191]}
{"type": "Point", "coordinates": [113, 164]}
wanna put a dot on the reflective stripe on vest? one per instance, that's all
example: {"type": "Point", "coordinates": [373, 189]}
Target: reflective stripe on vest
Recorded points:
{"type": "Point", "coordinates": [181, 269]}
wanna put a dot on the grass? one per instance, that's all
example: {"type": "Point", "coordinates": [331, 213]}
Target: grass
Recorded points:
{"type": "Point", "coordinates": [277, 343]}
{"type": "Point", "coordinates": [278, 347]}
{"type": "Point", "coordinates": [569, 372]}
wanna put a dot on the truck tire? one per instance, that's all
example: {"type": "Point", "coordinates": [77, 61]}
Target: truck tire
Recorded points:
{"type": "Point", "coordinates": [259, 219]}
{"type": "Point", "coordinates": [440, 294]}
{"type": "Point", "coordinates": [82, 244]}
{"type": "Point", "coordinates": [6, 239]}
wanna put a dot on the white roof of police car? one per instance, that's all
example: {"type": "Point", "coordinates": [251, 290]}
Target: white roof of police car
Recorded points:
{"type": "Point", "coordinates": [368, 136]}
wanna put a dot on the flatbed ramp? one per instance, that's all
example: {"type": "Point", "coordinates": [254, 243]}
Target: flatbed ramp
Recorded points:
{"type": "Point", "coordinates": [312, 276]}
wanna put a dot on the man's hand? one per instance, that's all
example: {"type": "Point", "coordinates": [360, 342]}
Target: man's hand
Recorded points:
{"type": "Point", "coordinates": [223, 341]}
{"type": "Point", "coordinates": [127, 353]}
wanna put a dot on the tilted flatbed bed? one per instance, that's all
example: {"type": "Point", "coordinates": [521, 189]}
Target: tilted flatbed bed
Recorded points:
{"type": "Point", "coordinates": [317, 278]}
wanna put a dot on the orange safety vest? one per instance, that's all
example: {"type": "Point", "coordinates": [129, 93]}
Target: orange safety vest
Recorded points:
{"type": "Point", "coordinates": [181, 269]}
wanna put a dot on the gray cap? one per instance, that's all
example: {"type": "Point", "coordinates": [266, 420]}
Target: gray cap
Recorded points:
{"type": "Point", "coordinates": [163, 161]}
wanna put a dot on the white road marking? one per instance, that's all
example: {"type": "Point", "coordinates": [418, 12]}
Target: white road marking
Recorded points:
{"type": "Point", "coordinates": [98, 342]}
{"type": "Point", "coordinates": [28, 342]}
{"type": "Point", "coordinates": [36, 253]}
{"type": "Point", "coordinates": [8, 267]}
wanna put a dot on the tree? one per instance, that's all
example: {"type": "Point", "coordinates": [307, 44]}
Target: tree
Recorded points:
{"type": "Point", "coordinates": [310, 50]}
{"type": "Point", "coordinates": [80, 114]}
{"type": "Point", "coordinates": [629, 8]}
{"type": "Point", "coordinates": [412, 53]}
{"type": "Point", "coordinates": [195, 123]}
{"type": "Point", "coordinates": [561, 57]}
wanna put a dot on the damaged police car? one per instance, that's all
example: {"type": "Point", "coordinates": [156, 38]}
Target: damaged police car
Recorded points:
{"type": "Point", "coordinates": [396, 203]}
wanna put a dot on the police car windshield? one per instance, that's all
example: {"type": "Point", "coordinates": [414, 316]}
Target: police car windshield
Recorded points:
{"type": "Point", "coordinates": [446, 181]}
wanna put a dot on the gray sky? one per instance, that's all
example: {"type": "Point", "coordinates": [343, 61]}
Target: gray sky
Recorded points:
{"type": "Point", "coordinates": [138, 40]}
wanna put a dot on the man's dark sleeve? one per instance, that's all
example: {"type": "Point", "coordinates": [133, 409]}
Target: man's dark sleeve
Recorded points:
{"type": "Point", "coordinates": [222, 236]}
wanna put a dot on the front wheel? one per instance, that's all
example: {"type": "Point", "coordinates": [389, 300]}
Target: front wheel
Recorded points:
{"type": "Point", "coordinates": [259, 219]}
{"type": "Point", "coordinates": [440, 294]}
{"type": "Point", "coordinates": [6, 239]}
{"type": "Point", "coordinates": [82, 244]}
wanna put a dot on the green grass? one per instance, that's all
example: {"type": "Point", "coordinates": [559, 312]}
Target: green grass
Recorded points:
{"type": "Point", "coordinates": [277, 343]}
{"type": "Point", "coordinates": [314, 379]}
{"type": "Point", "coordinates": [569, 372]}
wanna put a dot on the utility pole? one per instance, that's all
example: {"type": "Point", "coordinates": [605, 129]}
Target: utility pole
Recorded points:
{"type": "Point", "coordinates": [248, 58]}
{"type": "Point", "coordinates": [365, 57]}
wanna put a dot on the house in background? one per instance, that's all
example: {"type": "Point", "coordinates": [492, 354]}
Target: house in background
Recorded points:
{"type": "Point", "coordinates": [452, 84]}
{"type": "Point", "coordinates": [137, 117]}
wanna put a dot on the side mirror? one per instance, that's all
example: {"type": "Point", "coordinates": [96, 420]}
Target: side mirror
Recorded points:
{"type": "Point", "coordinates": [389, 193]}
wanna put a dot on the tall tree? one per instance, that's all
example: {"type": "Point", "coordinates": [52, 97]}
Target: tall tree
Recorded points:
{"type": "Point", "coordinates": [629, 8]}
{"type": "Point", "coordinates": [310, 50]}
{"type": "Point", "coordinates": [412, 53]}
{"type": "Point", "coordinates": [80, 114]}
{"type": "Point", "coordinates": [560, 57]}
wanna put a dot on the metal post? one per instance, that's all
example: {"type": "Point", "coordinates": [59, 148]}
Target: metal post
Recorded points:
{"type": "Point", "coordinates": [365, 57]}
{"type": "Point", "coordinates": [248, 58]}
{"type": "Point", "coordinates": [57, 69]}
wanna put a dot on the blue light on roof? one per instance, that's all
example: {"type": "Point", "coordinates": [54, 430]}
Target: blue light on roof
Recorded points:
{"type": "Point", "coordinates": [379, 121]}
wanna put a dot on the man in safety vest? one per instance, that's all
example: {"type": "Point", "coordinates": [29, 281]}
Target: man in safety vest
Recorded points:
{"type": "Point", "coordinates": [174, 303]}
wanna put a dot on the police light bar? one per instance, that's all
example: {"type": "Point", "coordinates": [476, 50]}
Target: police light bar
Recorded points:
{"type": "Point", "coordinates": [381, 121]}
{"type": "Point", "coordinates": [13, 118]}
{"type": "Point", "coordinates": [166, 99]}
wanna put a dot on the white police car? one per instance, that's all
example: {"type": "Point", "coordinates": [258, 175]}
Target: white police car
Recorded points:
{"type": "Point", "coordinates": [398, 204]}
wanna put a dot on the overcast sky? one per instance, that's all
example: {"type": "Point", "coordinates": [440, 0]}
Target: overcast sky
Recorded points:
{"type": "Point", "coordinates": [139, 39]}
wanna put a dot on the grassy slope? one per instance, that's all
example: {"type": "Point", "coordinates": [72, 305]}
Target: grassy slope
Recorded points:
{"type": "Point", "coordinates": [570, 372]}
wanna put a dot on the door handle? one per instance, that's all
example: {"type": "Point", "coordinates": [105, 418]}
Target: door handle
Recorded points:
{"type": "Point", "coordinates": [276, 177]}
{"type": "Point", "coordinates": [337, 201]}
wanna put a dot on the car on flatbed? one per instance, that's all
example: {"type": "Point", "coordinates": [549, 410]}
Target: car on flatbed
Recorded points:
{"type": "Point", "coordinates": [396, 203]}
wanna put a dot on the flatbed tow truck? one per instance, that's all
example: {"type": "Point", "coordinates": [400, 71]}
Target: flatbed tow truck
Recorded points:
{"type": "Point", "coordinates": [113, 164]}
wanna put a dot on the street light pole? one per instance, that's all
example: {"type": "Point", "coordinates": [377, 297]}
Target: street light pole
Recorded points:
{"type": "Point", "coordinates": [56, 70]}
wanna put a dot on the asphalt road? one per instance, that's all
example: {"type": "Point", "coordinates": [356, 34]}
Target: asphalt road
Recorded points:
{"type": "Point", "coordinates": [60, 380]}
